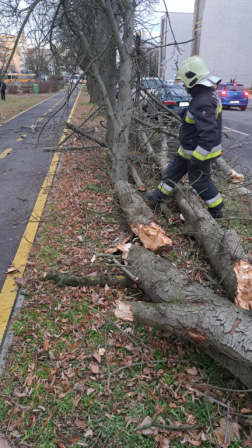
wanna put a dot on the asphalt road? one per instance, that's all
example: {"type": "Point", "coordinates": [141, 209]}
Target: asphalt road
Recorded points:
{"type": "Point", "coordinates": [23, 167]}
{"type": "Point", "coordinates": [237, 148]}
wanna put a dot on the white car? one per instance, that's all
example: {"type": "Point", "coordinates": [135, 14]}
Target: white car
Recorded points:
{"type": "Point", "coordinates": [76, 78]}
{"type": "Point", "coordinates": [173, 80]}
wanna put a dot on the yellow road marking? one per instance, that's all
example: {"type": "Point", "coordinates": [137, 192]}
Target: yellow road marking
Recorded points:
{"type": "Point", "coordinates": [5, 152]}
{"type": "Point", "coordinates": [50, 110]}
{"type": "Point", "coordinates": [40, 119]}
{"type": "Point", "coordinates": [53, 106]}
{"type": "Point", "coordinates": [29, 108]}
{"type": "Point", "coordinates": [45, 113]}
{"type": "Point", "coordinates": [9, 290]}
{"type": "Point", "coordinates": [33, 126]}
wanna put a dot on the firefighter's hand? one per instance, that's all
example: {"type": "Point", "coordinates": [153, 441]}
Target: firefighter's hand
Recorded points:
{"type": "Point", "coordinates": [195, 163]}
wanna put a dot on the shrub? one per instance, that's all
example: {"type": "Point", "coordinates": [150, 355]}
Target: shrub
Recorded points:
{"type": "Point", "coordinates": [27, 88]}
{"type": "Point", "coordinates": [54, 85]}
{"type": "Point", "coordinates": [44, 86]}
{"type": "Point", "coordinates": [12, 88]}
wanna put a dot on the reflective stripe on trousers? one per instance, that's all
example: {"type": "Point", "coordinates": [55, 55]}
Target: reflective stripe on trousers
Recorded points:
{"type": "Point", "coordinates": [199, 178]}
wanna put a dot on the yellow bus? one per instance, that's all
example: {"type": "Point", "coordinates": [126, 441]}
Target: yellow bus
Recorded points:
{"type": "Point", "coordinates": [19, 78]}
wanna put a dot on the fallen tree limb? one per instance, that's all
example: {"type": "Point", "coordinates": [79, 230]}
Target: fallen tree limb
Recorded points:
{"type": "Point", "coordinates": [82, 123]}
{"type": "Point", "coordinates": [165, 210]}
{"type": "Point", "coordinates": [73, 280]}
{"type": "Point", "coordinates": [163, 155]}
{"type": "Point", "coordinates": [229, 172]}
{"type": "Point", "coordinates": [136, 177]}
{"type": "Point", "coordinates": [159, 159]}
{"type": "Point", "coordinates": [68, 148]}
{"type": "Point", "coordinates": [223, 247]}
{"type": "Point", "coordinates": [190, 311]}
{"type": "Point", "coordinates": [160, 129]}
{"type": "Point", "coordinates": [85, 134]}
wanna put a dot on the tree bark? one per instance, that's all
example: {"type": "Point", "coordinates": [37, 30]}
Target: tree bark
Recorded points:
{"type": "Point", "coordinates": [223, 247]}
{"type": "Point", "coordinates": [134, 207]}
{"type": "Point", "coordinates": [190, 311]}
{"type": "Point", "coordinates": [141, 219]}
{"type": "Point", "coordinates": [137, 180]}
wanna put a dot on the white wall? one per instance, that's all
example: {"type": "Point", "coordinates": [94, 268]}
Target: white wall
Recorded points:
{"type": "Point", "coordinates": [226, 39]}
{"type": "Point", "coordinates": [182, 25]}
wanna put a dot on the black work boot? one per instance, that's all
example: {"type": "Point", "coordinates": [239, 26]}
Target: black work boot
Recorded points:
{"type": "Point", "coordinates": [215, 213]}
{"type": "Point", "coordinates": [154, 197]}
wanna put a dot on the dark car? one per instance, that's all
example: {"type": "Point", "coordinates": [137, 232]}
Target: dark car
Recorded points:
{"type": "Point", "coordinates": [175, 97]}
{"type": "Point", "coordinates": [233, 94]}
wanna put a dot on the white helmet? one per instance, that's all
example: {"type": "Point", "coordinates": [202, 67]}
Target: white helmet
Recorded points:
{"type": "Point", "coordinates": [192, 71]}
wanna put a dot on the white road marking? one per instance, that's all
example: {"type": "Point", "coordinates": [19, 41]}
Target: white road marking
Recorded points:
{"type": "Point", "coordinates": [234, 130]}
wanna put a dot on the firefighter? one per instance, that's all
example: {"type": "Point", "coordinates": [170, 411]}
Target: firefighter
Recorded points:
{"type": "Point", "coordinates": [200, 138]}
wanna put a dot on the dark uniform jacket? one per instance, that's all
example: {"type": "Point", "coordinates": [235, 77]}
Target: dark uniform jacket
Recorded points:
{"type": "Point", "coordinates": [201, 127]}
{"type": "Point", "coordinates": [2, 87]}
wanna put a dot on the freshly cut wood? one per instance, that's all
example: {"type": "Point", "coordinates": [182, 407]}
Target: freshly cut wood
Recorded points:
{"type": "Point", "coordinates": [232, 175]}
{"type": "Point", "coordinates": [190, 311]}
{"type": "Point", "coordinates": [223, 247]}
{"type": "Point", "coordinates": [140, 218]}
{"type": "Point", "coordinates": [101, 280]}
{"type": "Point", "coordinates": [243, 294]}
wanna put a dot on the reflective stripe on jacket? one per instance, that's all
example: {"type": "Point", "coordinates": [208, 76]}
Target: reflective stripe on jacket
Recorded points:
{"type": "Point", "coordinates": [201, 127]}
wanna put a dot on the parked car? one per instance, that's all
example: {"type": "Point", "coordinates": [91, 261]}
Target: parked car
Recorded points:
{"type": "Point", "coordinates": [173, 80]}
{"type": "Point", "coordinates": [173, 96]}
{"type": "Point", "coordinates": [233, 94]}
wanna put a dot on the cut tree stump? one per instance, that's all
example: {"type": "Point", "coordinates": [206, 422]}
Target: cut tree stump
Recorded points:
{"type": "Point", "coordinates": [190, 311]}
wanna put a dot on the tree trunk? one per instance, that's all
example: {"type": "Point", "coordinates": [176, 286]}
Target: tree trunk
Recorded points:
{"type": "Point", "coordinates": [190, 311]}
{"type": "Point", "coordinates": [223, 247]}
{"type": "Point", "coordinates": [119, 153]}
{"type": "Point", "coordinates": [140, 218]}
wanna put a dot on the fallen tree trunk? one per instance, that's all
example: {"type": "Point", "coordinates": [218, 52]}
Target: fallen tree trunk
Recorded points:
{"type": "Point", "coordinates": [140, 218]}
{"type": "Point", "coordinates": [190, 311]}
{"type": "Point", "coordinates": [223, 247]}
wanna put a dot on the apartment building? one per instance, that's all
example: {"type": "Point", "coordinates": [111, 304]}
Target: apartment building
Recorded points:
{"type": "Point", "coordinates": [7, 42]}
{"type": "Point", "coordinates": [170, 57]}
{"type": "Point", "coordinates": [222, 35]}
